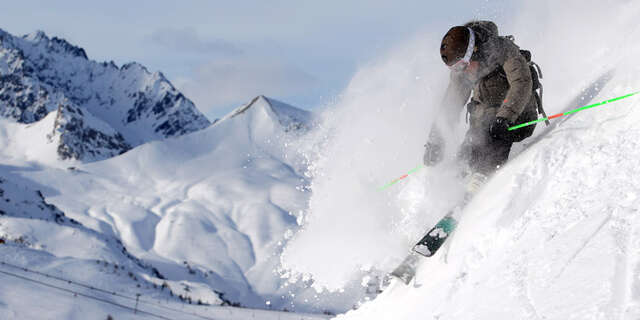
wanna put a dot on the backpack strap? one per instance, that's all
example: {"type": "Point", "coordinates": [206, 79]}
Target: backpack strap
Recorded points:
{"type": "Point", "coordinates": [539, 97]}
{"type": "Point", "coordinates": [536, 75]}
{"type": "Point", "coordinates": [537, 69]}
{"type": "Point", "coordinates": [540, 108]}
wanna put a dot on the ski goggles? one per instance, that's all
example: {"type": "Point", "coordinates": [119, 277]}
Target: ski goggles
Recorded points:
{"type": "Point", "coordinates": [464, 62]}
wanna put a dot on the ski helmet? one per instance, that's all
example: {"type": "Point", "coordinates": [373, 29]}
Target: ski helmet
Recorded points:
{"type": "Point", "coordinates": [457, 47]}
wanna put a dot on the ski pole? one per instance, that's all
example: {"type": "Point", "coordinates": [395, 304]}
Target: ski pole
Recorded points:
{"type": "Point", "coordinates": [572, 111]}
{"type": "Point", "coordinates": [402, 177]}
{"type": "Point", "coordinates": [523, 125]}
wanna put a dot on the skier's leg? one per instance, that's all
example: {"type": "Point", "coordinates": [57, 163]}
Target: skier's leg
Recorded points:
{"type": "Point", "coordinates": [497, 154]}
{"type": "Point", "coordinates": [485, 158]}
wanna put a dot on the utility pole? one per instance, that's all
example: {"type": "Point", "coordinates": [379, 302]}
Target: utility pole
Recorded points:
{"type": "Point", "coordinates": [135, 310]}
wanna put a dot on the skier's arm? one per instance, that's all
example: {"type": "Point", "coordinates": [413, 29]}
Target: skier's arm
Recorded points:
{"type": "Point", "coordinates": [520, 84]}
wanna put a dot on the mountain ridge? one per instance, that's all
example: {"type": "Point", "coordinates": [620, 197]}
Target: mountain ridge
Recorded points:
{"type": "Point", "coordinates": [39, 75]}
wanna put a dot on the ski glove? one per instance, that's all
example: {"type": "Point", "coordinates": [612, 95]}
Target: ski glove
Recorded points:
{"type": "Point", "coordinates": [434, 149]}
{"type": "Point", "coordinates": [499, 129]}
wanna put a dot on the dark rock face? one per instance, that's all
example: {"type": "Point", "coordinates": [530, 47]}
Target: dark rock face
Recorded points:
{"type": "Point", "coordinates": [80, 141]}
{"type": "Point", "coordinates": [105, 110]}
{"type": "Point", "coordinates": [26, 101]}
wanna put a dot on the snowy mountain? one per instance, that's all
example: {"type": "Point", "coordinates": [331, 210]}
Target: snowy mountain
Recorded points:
{"type": "Point", "coordinates": [210, 210]}
{"type": "Point", "coordinates": [102, 110]}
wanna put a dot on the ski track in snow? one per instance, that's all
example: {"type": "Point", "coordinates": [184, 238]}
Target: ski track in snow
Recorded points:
{"type": "Point", "coordinates": [620, 278]}
{"type": "Point", "coordinates": [582, 244]}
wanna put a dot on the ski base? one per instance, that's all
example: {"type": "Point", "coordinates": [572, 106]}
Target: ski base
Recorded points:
{"type": "Point", "coordinates": [433, 240]}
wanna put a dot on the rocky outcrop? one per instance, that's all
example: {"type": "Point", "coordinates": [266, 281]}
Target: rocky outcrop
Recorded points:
{"type": "Point", "coordinates": [126, 106]}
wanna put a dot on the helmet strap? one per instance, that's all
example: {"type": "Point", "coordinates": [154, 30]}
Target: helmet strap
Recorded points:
{"type": "Point", "coordinates": [470, 46]}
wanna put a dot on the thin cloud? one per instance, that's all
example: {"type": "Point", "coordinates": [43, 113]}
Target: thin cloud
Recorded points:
{"type": "Point", "coordinates": [187, 39]}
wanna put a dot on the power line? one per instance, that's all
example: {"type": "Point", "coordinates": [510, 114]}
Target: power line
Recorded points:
{"type": "Point", "coordinates": [100, 290]}
{"type": "Point", "coordinates": [113, 293]}
{"type": "Point", "coordinates": [82, 294]}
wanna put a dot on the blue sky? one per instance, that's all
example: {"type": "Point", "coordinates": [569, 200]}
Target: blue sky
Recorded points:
{"type": "Point", "coordinates": [222, 53]}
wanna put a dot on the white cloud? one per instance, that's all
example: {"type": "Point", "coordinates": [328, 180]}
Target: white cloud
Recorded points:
{"type": "Point", "coordinates": [235, 80]}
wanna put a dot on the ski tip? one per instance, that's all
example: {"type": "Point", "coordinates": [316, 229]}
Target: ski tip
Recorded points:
{"type": "Point", "coordinates": [393, 284]}
{"type": "Point", "coordinates": [403, 278]}
{"type": "Point", "coordinates": [405, 281]}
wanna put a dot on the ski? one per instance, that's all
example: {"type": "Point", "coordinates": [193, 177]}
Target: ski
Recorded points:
{"type": "Point", "coordinates": [436, 236]}
{"type": "Point", "coordinates": [407, 269]}
{"type": "Point", "coordinates": [429, 243]}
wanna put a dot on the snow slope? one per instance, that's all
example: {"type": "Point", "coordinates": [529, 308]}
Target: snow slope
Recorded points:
{"type": "Point", "coordinates": [211, 209]}
{"type": "Point", "coordinates": [37, 235]}
{"type": "Point", "coordinates": [553, 235]}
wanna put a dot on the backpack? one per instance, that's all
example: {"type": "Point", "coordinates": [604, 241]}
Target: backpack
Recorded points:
{"type": "Point", "coordinates": [484, 30]}
{"type": "Point", "coordinates": [530, 115]}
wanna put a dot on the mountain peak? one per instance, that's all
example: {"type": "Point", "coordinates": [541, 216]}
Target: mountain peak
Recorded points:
{"type": "Point", "coordinates": [36, 36]}
{"type": "Point", "coordinates": [133, 66]}
{"type": "Point", "coordinates": [67, 47]}
{"type": "Point", "coordinates": [288, 117]}
{"type": "Point", "coordinates": [244, 108]}
{"type": "Point", "coordinates": [55, 44]}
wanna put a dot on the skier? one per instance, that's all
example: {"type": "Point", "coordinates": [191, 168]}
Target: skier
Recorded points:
{"type": "Point", "coordinates": [502, 82]}
{"type": "Point", "coordinates": [499, 75]}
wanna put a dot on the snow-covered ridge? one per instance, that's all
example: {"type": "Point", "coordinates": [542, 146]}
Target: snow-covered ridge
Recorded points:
{"type": "Point", "coordinates": [118, 108]}
{"type": "Point", "coordinates": [29, 222]}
